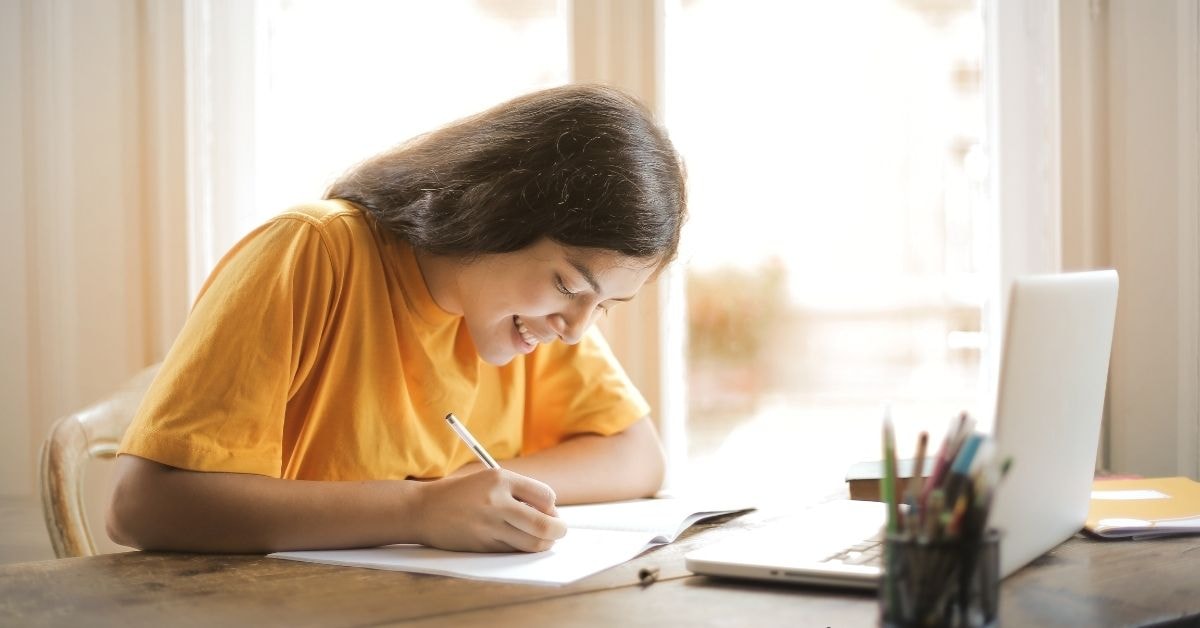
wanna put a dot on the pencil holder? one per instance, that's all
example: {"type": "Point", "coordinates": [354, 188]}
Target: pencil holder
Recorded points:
{"type": "Point", "coordinates": [952, 582]}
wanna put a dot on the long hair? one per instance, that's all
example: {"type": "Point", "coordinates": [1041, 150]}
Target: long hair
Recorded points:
{"type": "Point", "coordinates": [583, 165]}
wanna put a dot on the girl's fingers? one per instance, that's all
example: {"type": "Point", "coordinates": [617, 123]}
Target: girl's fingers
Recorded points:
{"type": "Point", "coordinates": [536, 494]}
{"type": "Point", "coordinates": [522, 541]}
{"type": "Point", "coordinates": [535, 524]}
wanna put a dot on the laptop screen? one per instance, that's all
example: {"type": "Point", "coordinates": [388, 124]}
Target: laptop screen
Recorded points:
{"type": "Point", "coordinates": [1049, 405]}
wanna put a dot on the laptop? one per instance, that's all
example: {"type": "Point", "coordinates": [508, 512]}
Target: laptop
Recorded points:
{"type": "Point", "coordinates": [1049, 405]}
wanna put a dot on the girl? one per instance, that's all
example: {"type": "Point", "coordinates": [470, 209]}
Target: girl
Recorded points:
{"type": "Point", "coordinates": [302, 405]}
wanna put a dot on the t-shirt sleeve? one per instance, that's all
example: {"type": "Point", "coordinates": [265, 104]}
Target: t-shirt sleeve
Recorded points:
{"type": "Point", "coordinates": [219, 400]}
{"type": "Point", "coordinates": [577, 389]}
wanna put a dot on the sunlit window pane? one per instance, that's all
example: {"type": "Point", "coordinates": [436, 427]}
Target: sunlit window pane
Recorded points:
{"type": "Point", "coordinates": [833, 156]}
{"type": "Point", "coordinates": [340, 81]}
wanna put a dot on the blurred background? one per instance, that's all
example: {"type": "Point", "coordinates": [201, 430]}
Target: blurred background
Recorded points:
{"type": "Point", "coordinates": [830, 261]}
{"type": "Point", "coordinates": [864, 179]}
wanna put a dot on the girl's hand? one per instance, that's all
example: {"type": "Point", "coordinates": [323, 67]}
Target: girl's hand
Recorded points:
{"type": "Point", "coordinates": [467, 469]}
{"type": "Point", "coordinates": [492, 510]}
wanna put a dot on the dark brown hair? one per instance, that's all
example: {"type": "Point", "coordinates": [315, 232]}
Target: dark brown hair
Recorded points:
{"type": "Point", "coordinates": [583, 165]}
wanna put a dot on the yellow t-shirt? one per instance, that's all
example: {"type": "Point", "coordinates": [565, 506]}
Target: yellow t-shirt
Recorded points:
{"type": "Point", "coordinates": [315, 351]}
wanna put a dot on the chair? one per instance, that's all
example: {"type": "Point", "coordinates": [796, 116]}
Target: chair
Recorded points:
{"type": "Point", "coordinates": [94, 432]}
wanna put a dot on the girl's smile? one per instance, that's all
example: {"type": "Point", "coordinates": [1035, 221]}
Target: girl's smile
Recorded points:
{"type": "Point", "coordinates": [526, 340]}
{"type": "Point", "coordinates": [513, 302]}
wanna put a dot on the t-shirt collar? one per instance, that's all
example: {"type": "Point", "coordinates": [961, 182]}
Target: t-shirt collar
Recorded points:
{"type": "Point", "coordinates": [417, 290]}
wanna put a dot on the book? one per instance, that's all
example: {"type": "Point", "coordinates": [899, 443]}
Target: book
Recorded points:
{"type": "Point", "coordinates": [1144, 508]}
{"type": "Point", "coordinates": [863, 477]}
{"type": "Point", "coordinates": [598, 536]}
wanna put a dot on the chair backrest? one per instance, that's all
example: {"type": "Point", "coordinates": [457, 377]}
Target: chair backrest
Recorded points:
{"type": "Point", "coordinates": [94, 432]}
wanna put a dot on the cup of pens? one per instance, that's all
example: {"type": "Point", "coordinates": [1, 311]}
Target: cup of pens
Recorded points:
{"type": "Point", "coordinates": [943, 582]}
{"type": "Point", "coordinates": [941, 561]}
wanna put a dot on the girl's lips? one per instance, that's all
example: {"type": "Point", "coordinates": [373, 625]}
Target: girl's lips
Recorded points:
{"type": "Point", "coordinates": [526, 335]}
{"type": "Point", "coordinates": [525, 341]}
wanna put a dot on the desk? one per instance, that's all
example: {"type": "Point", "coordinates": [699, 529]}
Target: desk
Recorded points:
{"type": "Point", "coordinates": [1080, 583]}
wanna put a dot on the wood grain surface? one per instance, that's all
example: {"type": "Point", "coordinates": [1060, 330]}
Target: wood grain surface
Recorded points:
{"type": "Point", "coordinates": [1083, 582]}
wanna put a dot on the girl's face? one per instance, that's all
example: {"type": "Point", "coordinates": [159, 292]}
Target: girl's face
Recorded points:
{"type": "Point", "coordinates": [513, 302]}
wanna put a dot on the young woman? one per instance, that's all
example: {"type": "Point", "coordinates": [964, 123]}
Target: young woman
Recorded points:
{"type": "Point", "coordinates": [302, 405]}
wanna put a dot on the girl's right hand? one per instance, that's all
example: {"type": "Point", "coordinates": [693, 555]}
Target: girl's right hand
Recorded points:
{"type": "Point", "coordinates": [492, 510]}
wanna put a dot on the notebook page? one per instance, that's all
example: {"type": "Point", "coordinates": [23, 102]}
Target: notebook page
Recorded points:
{"type": "Point", "coordinates": [581, 553]}
{"type": "Point", "coordinates": [599, 536]}
{"type": "Point", "coordinates": [664, 519]}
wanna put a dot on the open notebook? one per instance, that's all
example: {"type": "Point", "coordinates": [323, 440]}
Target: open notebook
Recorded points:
{"type": "Point", "coordinates": [599, 536]}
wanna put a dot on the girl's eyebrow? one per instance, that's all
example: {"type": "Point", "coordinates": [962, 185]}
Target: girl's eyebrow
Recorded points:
{"type": "Point", "coordinates": [590, 277]}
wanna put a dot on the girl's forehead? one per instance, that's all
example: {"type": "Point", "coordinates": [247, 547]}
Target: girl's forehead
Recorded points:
{"type": "Point", "coordinates": [600, 260]}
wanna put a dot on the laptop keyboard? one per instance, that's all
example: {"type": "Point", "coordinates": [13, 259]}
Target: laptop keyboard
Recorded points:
{"type": "Point", "coordinates": [867, 552]}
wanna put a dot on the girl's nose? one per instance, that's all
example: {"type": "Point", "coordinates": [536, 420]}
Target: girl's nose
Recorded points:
{"type": "Point", "coordinates": [570, 326]}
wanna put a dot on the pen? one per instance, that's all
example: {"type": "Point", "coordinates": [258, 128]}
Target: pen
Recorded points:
{"type": "Point", "coordinates": [916, 508]}
{"type": "Point", "coordinates": [933, 518]}
{"type": "Point", "coordinates": [945, 454]}
{"type": "Point", "coordinates": [956, 515]}
{"type": "Point", "coordinates": [888, 490]}
{"type": "Point", "coordinates": [931, 482]}
{"type": "Point", "coordinates": [959, 431]}
{"type": "Point", "coordinates": [994, 479]}
{"type": "Point", "coordinates": [961, 467]}
{"type": "Point", "coordinates": [465, 435]}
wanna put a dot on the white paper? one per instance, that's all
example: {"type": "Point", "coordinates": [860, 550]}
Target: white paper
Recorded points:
{"type": "Point", "coordinates": [1142, 529]}
{"type": "Point", "coordinates": [1129, 495]}
{"type": "Point", "coordinates": [599, 536]}
{"type": "Point", "coordinates": [665, 518]}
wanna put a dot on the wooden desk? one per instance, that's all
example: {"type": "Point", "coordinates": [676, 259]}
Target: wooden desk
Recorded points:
{"type": "Point", "coordinates": [1081, 583]}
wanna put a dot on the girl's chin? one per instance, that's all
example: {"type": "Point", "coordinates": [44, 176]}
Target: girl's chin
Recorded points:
{"type": "Point", "coordinates": [498, 356]}
{"type": "Point", "coordinates": [495, 362]}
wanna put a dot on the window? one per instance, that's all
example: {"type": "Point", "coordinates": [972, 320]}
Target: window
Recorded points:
{"type": "Point", "coordinates": [836, 184]}
{"type": "Point", "coordinates": [286, 95]}
{"type": "Point", "coordinates": [341, 81]}
{"type": "Point", "coordinates": [841, 246]}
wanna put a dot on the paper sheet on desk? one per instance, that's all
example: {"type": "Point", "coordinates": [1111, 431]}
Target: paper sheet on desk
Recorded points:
{"type": "Point", "coordinates": [599, 536]}
{"type": "Point", "coordinates": [1144, 507]}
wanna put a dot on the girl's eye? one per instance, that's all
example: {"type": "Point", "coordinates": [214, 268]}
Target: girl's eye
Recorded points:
{"type": "Point", "coordinates": [558, 283]}
{"type": "Point", "coordinates": [603, 308]}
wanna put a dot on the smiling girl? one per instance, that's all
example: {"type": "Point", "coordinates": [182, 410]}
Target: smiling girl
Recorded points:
{"type": "Point", "coordinates": [301, 406]}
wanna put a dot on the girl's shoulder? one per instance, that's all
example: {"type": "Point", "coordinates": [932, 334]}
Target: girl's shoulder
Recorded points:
{"type": "Point", "coordinates": [322, 214]}
{"type": "Point", "coordinates": [341, 226]}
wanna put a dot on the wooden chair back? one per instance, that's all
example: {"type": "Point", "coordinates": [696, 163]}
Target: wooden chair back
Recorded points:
{"type": "Point", "coordinates": [94, 432]}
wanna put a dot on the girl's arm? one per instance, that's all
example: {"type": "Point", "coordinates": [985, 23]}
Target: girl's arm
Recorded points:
{"type": "Point", "coordinates": [593, 468]}
{"type": "Point", "coordinates": [155, 506]}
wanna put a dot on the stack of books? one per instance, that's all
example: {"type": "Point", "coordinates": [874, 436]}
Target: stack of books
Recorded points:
{"type": "Point", "coordinates": [863, 477]}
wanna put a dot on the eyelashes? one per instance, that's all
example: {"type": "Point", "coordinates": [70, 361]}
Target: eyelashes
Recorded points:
{"type": "Point", "coordinates": [562, 288]}
{"type": "Point", "coordinates": [558, 283]}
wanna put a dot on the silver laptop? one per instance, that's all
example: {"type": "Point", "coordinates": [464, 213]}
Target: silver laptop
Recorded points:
{"type": "Point", "coordinates": [1049, 405]}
